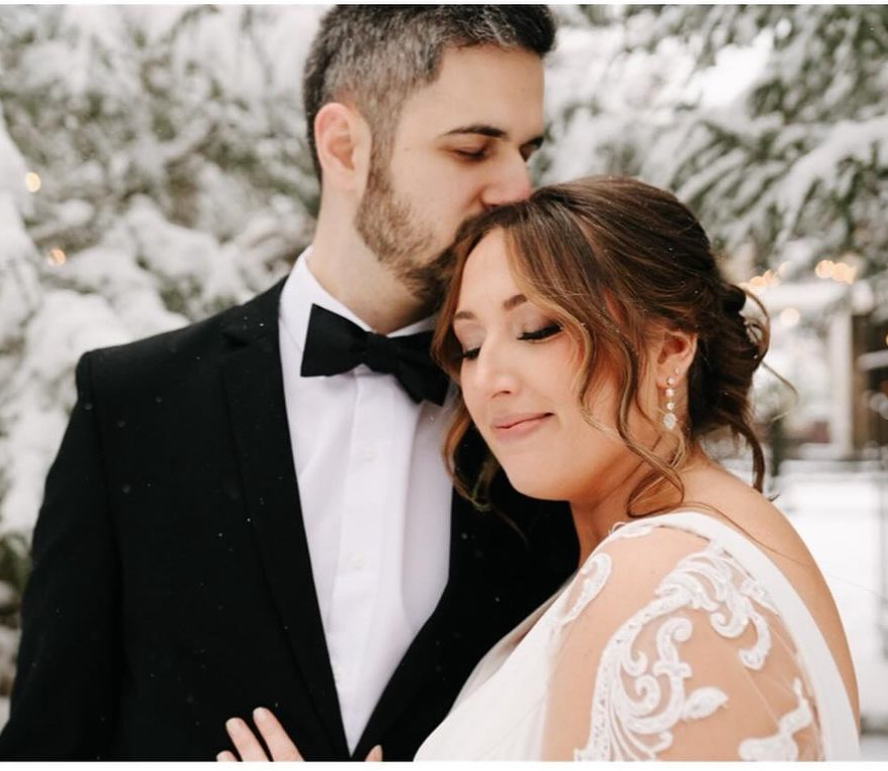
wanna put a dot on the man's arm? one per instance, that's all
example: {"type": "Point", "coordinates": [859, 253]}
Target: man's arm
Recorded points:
{"type": "Point", "coordinates": [64, 696]}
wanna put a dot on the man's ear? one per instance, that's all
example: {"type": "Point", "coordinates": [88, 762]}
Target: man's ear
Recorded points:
{"type": "Point", "coordinates": [342, 138]}
{"type": "Point", "coordinates": [674, 353]}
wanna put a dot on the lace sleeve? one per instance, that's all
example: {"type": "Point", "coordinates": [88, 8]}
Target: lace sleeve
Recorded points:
{"type": "Point", "coordinates": [669, 650]}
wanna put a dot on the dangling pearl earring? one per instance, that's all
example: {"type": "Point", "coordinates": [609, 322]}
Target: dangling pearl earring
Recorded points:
{"type": "Point", "coordinates": [669, 419]}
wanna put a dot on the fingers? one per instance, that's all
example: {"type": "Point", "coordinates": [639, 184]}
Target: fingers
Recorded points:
{"type": "Point", "coordinates": [279, 744]}
{"type": "Point", "coordinates": [244, 740]}
{"type": "Point", "coordinates": [375, 755]}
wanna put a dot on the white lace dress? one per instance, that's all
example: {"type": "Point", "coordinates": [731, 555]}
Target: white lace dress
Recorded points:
{"type": "Point", "coordinates": [677, 639]}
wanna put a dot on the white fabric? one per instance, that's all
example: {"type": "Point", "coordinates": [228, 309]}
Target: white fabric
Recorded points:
{"type": "Point", "coordinates": [375, 500]}
{"type": "Point", "coordinates": [701, 637]}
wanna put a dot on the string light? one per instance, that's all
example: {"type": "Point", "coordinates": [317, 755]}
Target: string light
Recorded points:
{"type": "Point", "coordinates": [789, 317]}
{"type": "Point", "coordinates": [841, 272]}
{"type": "Point", "coordinates": [844, 273]}
{"type": "Point", "coordinates": [32, 182]}
{"type": "Point", "coordinates": [57, 257]}
{"type": "Point", "coordinates": [824, 269]}
{"type": "Point", "coordinates": [768, 278]}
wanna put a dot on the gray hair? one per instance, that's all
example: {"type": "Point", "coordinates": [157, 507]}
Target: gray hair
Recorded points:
{"type": "Point", "coordinates": [377, 55]}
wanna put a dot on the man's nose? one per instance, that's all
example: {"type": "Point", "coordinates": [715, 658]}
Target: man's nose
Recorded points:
{"type": "Point", "coordinates": [511, 183]}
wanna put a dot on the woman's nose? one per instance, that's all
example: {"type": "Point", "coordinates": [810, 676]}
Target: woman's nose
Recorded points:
{"type": "Point", "coordinates": [495, 372]}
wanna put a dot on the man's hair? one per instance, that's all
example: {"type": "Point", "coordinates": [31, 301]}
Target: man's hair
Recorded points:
{"type": "Point", "coordinates": [375, 56]}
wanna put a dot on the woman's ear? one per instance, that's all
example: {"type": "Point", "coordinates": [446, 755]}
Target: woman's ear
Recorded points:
{"type": "Point", "coordinates": [342, 138]}
{"type": "Point", "coordinates": [673, 355]}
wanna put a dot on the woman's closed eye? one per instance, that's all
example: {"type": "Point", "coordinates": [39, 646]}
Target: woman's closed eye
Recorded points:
{"type": "Point", "coordinates": [532, 336]}
{"type": "Point", "coordinates": [541, 334]}
{"type": "Point", "coordinates": [469, 353]}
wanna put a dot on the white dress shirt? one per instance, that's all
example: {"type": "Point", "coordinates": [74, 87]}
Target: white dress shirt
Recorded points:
{"type": "Point", "coordinates": [375, 502]}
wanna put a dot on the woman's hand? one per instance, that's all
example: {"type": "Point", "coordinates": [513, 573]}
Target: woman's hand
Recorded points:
{"type": "Point", "coordinates": [247, 745]}
{"type": "Point", "coordinates": [279, 744]}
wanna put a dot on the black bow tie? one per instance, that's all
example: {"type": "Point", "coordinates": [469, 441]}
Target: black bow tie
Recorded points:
{"type": "Point", "coordinates": [334, 345]}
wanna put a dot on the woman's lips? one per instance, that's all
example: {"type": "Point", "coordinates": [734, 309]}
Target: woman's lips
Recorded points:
{"type": "Point", "coordinates": [519, 426]}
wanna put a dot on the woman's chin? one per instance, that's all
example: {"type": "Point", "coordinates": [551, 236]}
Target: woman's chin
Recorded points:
{"type": "Point", "coordinates": [532, 486]}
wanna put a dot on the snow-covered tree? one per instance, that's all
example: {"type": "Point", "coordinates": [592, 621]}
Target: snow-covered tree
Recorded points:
{"type": "Point", "coordinates": [152, 171]}
{"type": "Point", "coordinates": [770, 121]}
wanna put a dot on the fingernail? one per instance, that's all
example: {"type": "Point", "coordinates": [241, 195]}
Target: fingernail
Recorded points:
{"type": "Point", "coordinates": [234, 725]}
{"type": "Point", "coordinates": [261, 714]}
{"type": "Point", "coordinates": [376, 752]}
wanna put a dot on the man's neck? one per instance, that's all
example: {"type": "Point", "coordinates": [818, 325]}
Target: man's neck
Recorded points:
{"type": "Point", "coordinates": [343, 265]}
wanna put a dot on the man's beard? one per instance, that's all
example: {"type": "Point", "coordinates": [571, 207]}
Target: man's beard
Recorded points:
{"type": "Point", "coordinates": [393, 232]}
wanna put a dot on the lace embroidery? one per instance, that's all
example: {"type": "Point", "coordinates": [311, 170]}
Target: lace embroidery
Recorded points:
{"type": "Point", "coordinates": [596, 571]}
{"type": "Point", "coordinates": [781, 746]}
{"type": "Point", "coordinates": [636, 725]}
{"type": "Point", "coordinates": [631, 529]}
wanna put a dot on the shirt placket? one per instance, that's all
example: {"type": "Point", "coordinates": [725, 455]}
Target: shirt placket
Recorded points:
{"type": "Point", "coordinates": [356, 586]}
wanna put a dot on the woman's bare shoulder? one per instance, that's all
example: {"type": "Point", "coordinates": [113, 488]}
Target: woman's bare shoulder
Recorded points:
{"type": "Point", "coordinates": [748, 511]}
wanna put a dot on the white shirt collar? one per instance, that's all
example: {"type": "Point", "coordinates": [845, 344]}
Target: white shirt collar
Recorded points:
{"type": "Point", "coordinates": [302, 290]}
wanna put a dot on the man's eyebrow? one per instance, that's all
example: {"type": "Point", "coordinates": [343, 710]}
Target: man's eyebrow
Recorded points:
{"type": "Point", "coordinates": [487, 130]}
{"type": "Point", "coordinates": [510, 304]}
{"type": "Point", "coordinates": [478, 128]}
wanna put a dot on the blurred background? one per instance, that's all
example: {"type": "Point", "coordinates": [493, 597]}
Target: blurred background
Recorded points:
{"type": "Point", "coordinates": [153, 170]}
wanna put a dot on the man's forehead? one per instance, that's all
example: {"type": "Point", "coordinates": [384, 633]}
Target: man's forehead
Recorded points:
{"type": "Point", "coordinates": [482, 90]}
{"type": "Point", "coordinates": [486, 65]}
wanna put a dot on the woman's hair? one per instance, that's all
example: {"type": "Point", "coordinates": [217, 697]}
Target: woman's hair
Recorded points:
{"type": "Point", "coordinates": [612, 260]}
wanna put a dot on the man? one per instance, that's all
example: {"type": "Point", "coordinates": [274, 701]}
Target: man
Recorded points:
{"type": "Point", "coordinates": [240, 517]}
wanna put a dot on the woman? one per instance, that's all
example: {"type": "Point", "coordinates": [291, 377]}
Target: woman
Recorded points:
{"type": "Point", "coordinates": [596, 344]}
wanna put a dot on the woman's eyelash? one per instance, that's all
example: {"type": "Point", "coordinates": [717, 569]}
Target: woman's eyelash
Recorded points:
{"type": "Point", "coordinates": [541, 334]}
{"type": "Point", "coordinates": [537, 334]}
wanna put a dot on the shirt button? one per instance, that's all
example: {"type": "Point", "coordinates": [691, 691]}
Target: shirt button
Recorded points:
{"type": "Point", "coordinates": [358, 561]}
{"type": "Point", "coordinates": [370, 453]}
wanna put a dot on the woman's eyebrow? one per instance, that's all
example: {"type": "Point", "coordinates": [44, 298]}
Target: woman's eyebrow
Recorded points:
{"type": "Point", "coordinates": [514, 302]}
{"type": "Point", "coordinates": [510, 304]}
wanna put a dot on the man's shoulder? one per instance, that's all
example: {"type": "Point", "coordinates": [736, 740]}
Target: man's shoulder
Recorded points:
{"type": "Point", "coordinates": [192, 347]}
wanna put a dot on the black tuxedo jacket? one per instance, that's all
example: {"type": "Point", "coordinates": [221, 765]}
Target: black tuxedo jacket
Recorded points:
{"type": "Point", "coordinates": [171, 585]}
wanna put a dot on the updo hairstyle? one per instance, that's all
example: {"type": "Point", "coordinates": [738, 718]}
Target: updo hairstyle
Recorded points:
{"type": "Point", "coordinates": [612, 259]}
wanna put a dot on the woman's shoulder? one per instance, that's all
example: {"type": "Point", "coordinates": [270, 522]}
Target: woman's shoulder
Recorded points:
{"type": "Point", "coordinates": [758, 519]}
{"type": "Point", "coordinates": [664, 629]}
{"type": "Point", "coordinates": [723, 510]}
{"type": "Point", "coordinates": [733, 504]}
{"type": "Point", "coordinates": [653, 565]}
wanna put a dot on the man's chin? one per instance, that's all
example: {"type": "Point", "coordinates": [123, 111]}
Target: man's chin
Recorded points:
{"type": "Point", "coordinates": [428, 283]}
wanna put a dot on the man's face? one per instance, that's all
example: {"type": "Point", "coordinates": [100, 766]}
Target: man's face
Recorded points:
{"type": "Point", "coordinates": [459, 148]}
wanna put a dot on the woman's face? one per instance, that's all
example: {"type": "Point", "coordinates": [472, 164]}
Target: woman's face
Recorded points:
{"type": "Point", "coordinates": [517, 378]}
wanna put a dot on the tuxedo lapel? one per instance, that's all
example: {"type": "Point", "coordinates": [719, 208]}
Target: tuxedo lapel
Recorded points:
{"type": "Point", "coordinates": [254, 390]}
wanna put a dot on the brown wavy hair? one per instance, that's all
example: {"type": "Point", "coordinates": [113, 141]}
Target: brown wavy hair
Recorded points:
{"type": "Point", "coordinates": [611, 258]}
